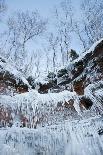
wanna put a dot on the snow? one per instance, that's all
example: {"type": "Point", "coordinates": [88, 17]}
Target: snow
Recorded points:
{"type": "Point", "coordinates": [42, 79]}
{"type": "Point", "coordinates": [94, 92]}
{"type": "Point", "coordinates": [88, 51]}
{"type": "Point", "coordinates": [70, 66]}
{"type": "Point", "coordinates": [35, 104]}
{"type": "Point", "coordinates": [37, 100]}
{"type": "Point", "coordinates": [71, 137]}
{"type": "Point", "coordinates": [8, 66]}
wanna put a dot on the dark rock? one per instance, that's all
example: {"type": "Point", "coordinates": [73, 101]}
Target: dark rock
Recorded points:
{"type": "Point", "coordinates": [31, 81]}
{"type": "Point", "coordinates": [45, 87]}
{"type": "Point", "coordinates": [100, 132]}
{"type": "Point", "coordinates": [62, 72]}
{"type": "Point", "coordinates": [86, 102]}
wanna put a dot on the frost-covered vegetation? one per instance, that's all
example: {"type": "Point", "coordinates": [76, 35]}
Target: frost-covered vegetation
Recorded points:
{"type": "Point", "coordinates": [72, 138]}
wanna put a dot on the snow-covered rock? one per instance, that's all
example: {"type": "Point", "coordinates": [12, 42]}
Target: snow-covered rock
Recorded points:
{"type": "Point", "coordinates": [11, 80]}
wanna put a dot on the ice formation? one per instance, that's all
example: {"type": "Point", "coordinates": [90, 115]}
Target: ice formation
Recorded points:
{"type": "Point", "coordinates": [52, 123]}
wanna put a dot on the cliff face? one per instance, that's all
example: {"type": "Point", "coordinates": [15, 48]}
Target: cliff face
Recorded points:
{"type": "Point", "coordinates": [91, 69]}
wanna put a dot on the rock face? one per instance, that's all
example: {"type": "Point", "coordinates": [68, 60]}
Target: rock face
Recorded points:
{"type": "Point", "coordinates": [79, 73]}
{"type": "Point", "coordinates": [93, 66]}
{"type": "Point", "coordinates": [86, 102]}
{"type": "Point", "coordinates": [85, 70]}
{"type": "Point", "coordinates": [11, 81]}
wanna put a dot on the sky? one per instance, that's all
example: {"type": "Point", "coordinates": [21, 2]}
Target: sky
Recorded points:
{"type": "Point", "coordinates": [45, 8]}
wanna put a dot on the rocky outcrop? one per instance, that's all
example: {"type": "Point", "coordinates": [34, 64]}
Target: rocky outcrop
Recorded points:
{"type": "Point", "coordinates": [85, 102]}
{"type": "Point", "coordinates": [11, 80]}
{"type": "Point", "coordinates": [85, 70]}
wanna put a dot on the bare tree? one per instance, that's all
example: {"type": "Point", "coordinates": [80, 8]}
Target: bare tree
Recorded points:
{"type": "Point", "coordinates": [37, 62]}
{"type": "Point", "coordinates": [90, 26]}
{"type": "Point", "coordinates": [29, 66]}
{"type": "Point", "coordinates": [77, 28]}
{"type": "Point", "coordinates": [3, 9]}
{"type": "Point", "coordinates": [3, 6]}
{"type": "Point", "coordinates": [47, 57]}
{"type": "Point", "coordinates": [63, 16]}
{"type": "Point", "coordinates": [53, 45]}
{"type": "Point", "coordinates": [23, 28]}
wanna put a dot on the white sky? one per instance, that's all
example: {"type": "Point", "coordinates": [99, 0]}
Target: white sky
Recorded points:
{"type": "Point", "coordinates": [45, 8]}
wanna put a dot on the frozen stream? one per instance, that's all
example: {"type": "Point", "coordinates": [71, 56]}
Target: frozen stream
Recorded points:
{"type": "Point", "coordinates": [71, 138]}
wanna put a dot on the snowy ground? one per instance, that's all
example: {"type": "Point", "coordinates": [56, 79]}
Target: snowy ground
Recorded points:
{"type": "Point", "coordinates": [69, 138]}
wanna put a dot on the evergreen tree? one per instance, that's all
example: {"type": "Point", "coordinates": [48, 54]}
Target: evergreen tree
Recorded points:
{"type": "Point", "coordinates": [73, 55]}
